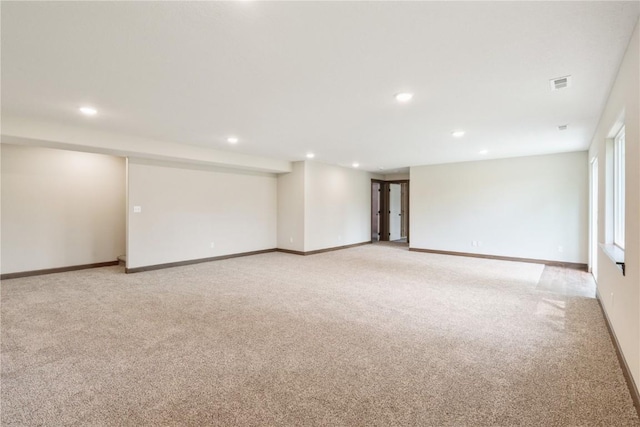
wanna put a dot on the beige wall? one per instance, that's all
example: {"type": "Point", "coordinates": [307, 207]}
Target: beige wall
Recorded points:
{"type": "Point", "coordinates": [186, 208]}
{"type": "Point", "coordinates": [60, 208]}
{"type": "Point", "coordinates": [524, 207]}
{"type": "Point", "coordinates": [621, 294]}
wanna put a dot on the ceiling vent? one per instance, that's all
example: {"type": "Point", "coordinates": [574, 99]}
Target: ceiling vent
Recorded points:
{"type": "Point", "coordinates": [563, 127]}
{"type": "Point", "coordinates": [560, 83]}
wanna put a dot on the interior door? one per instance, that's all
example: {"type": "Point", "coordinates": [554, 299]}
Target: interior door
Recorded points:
{"type": "Point", "coordinates": [395, 211]}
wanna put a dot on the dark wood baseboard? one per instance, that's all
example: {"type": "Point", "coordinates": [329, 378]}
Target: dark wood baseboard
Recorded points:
{"type": "Point", "coordinates": [633, 389]}
{"type": "Point", "coordinates": [319, 251]}
{"type": "Point", "coordinates": [290, 251]}
{"type": "Point", "coordinates": [195, 261]}
{"type": "Point", "coordinates": [573, 265]}
{"type": "Point", "coordinates": [170, 264]}
{"type": "Point", "coordinates": [56, 270]}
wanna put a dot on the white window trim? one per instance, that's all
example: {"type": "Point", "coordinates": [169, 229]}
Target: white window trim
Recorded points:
{"type": "Point", "coordinates": [619, 189]}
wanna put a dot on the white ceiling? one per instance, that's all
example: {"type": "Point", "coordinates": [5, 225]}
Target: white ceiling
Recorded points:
{"type": "Point", "coordinates": [293, 77]}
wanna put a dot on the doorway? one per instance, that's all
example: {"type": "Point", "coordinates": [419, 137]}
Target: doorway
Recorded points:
{"type": "Point", "coordinates": [390, 211]}
{"type": "Point", "coordinates": [375, 210]}
{"type": "Point", "coordinates": [395, 211]}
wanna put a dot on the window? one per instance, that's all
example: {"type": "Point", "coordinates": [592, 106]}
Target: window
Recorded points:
{"type": "Point", "coordinates": [618, 189]}
{"type": "Point", "coordinates": [615, 196]}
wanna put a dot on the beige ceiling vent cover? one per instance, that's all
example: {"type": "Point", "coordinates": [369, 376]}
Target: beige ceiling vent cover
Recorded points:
{"type": "Point", "coordinates": [560, 83]}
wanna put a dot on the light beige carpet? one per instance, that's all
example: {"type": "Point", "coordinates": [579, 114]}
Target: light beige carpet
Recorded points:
{"type": "Point", "coordinates": [373, 335]}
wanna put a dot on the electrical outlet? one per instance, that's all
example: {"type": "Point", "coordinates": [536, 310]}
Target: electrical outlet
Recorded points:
{"type": "Point", "coordinates": [213, 245]}
{"type": "Point", "coordinates": [560, 249]}
{"type": "Point", "coordinates": [290, 239]}
{"type": "Point", "coordinates": [339, 237]}
{"type": "Point", "coordinates": [479, 243]}
{"type": "Point", "coordinates": [137, 209]}
{"type": "Point", "coordinates": [474, 243]}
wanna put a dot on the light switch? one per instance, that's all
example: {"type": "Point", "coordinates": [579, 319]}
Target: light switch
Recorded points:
{"type": "Point", "coordinates": [137, 209]}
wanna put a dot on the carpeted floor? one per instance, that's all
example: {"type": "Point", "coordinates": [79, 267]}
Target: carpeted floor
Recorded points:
{"type": "Point", "coordinates": [369, 336]}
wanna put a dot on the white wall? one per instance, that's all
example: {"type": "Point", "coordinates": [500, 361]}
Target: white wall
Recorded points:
{"type": "Point", "coordinates": [621, 294]}
{"type": "Point", "coordinates": [521, 207]}
{"type": "Point", "coordinates": [186, 208]}
{"type": "Point", "coordinates": [291, 208]}
{"type": "Point", "coordinates": [337, 206]}
{"type": "Point", "coordinates": [60, 208]}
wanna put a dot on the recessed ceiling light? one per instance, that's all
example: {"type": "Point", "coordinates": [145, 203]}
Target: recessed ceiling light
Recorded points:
{"type": "Point", "coordinates": [457, 133]}
{"type": "Point", "coordinates": [310, 155]}
{"type": "Point", "coordinates": [404, 97]}
{"type": "Point", "coordinates": [483, 152]}
{"type": "Point", "coordinates": [88, 111]}
{"type": "Point", "coordinates": [355, 164]}
{"type": "Point", "coordinates": [232, 139]}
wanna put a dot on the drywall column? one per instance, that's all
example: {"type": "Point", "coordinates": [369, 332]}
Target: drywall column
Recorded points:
{"type": "Point", "coordinates": [291, 208]}
{"type": "Point", "coordinates": [322, 206]}
{"type": "Point", "coordinates": [337, 206]}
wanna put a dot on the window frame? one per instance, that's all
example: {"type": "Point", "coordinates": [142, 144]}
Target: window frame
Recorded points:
{"type": "Point", "coordinates": [619, 189]}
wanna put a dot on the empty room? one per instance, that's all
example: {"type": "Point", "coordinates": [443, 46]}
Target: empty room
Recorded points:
{"type": "Point", "coordinates": [266, 213]}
